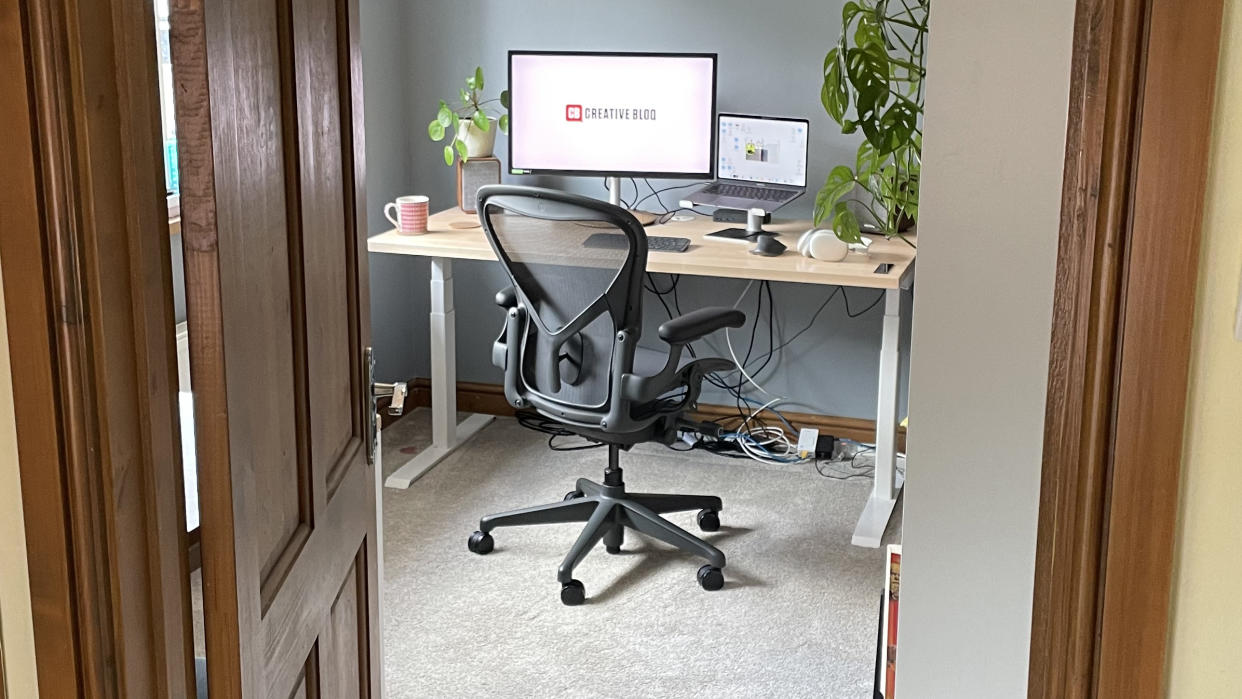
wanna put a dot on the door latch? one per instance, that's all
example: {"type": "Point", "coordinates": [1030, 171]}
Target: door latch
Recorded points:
{"type": "Point", "coordinates": [375, 390]}
{"type": "Point", "coordinates": [396, 390]}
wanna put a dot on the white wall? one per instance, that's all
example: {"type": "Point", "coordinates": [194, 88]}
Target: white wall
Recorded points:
{"type": "Point", "coordinates": [997, 102]}
{"type": "Point", "coordinates": [16, 629]}
{"type": "Point", "coordinates": [770, 62]}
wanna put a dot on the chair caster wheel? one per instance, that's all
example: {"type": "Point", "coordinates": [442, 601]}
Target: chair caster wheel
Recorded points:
{"type": "Point", "coordinates": [710, 578]}
{"type": "Point", "coordinates": [572, 495]}
{"type": "Point", "coordinates": [709, 520]}
{"type": "Point", "coordinates": [572, 593]}
{"type": "Point", "coordinates": [481, 543]}
{"type": "Point", "coordinates": [614, 550]}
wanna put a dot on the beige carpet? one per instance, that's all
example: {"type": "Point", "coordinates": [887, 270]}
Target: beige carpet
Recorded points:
{"type": "Point", "coordinates": [797, 616]}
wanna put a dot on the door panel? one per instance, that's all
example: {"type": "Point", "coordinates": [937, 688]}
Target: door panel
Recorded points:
{"type": "Point", "coordinates": [270, 141]}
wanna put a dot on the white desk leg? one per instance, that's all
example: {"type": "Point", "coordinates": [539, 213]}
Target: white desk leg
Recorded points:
{"type": "Point", "coordinates": [879, 507]}
{"type": "Point", "coordinates": [446, 434]}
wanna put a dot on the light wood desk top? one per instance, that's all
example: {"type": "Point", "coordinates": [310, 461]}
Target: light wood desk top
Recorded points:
{"type": "Point", "coordinates": [706, 258]}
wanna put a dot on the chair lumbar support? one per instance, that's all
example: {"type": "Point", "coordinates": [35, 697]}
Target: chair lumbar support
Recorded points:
{"type": "Point", "coordinates": [608, 509]}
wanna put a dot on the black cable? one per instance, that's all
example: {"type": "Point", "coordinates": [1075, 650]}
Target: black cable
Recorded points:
{"type": "Point", "coordinates": [668, 215]}
{"type": "Point", "coordinates": [621, 192]}
{"type": "Point", "coordinates": [539, 423]}
{"type": "Point", "coordinates": [874, 303]}
{"type": "Point", "coordinates": [656, 193]}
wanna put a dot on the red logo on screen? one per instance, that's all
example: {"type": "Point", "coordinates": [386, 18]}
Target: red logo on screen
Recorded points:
{"type": "Point", "coordinates": [573, 112]}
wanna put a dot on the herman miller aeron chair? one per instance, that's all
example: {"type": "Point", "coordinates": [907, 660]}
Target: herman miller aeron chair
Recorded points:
{"type": "Point", "coordinates": [569, 350]}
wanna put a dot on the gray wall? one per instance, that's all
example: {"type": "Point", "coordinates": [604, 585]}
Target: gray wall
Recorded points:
{"type": "Point", "coordinates": [981, 337]}
{"type": "Point", "coordinates": [770, 62]}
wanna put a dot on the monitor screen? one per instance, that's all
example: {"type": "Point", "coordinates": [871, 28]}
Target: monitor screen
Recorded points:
{"type": "Point", "coordinates": [635, 114]}
{"type": "Point", "coordinates": [762, 149]}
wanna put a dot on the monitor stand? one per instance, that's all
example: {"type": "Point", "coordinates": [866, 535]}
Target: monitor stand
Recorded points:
{"type": "Point", "coordinates": [753, 229]}
{"type": "Point", "coordinates": [646, 218]}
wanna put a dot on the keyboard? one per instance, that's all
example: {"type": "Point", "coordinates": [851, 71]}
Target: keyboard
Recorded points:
{"type": "Point", "coordinates": [655, 243]}
{"type": "Point", "coordinates": [747, 192]}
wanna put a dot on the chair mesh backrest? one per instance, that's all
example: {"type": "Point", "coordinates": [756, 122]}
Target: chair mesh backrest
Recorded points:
{"type": "Point", "coordinates": [575, 295]}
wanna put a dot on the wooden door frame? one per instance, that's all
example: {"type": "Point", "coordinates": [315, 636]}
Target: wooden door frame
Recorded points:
{"type": "Point", "coordinates": [1141, 98]}
{"type": "Point", "coordinates": [85, 249]}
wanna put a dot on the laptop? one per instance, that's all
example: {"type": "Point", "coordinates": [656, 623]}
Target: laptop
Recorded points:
{"type": "Point", "coordinates": [760, 163]}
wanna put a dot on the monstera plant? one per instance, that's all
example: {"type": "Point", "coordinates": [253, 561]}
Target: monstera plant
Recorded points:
{"type": "Point", "coordinates": [873, 83]}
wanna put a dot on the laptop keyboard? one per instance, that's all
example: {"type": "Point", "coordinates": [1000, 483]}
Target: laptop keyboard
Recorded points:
{"type": "Point", "coordinates": [746, 192]}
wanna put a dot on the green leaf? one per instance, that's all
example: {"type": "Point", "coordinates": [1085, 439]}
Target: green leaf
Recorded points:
{"type": "Point", "coordinates": [448, 155]}
{"type": "Point", "coordinates": [445, 116]}
{"type": "Point", "coordinates": [868, 161]}
{"type": "Point", "coordinates": [460, 145]}
{"type": "Point", "coordinates": [845, 224]}
{"type": "Point", "coordinates": [456, 122]}
{"type": "Point", "coordinates": [478, 78]}
{"type": "Point", "coordinates": [504, 123]}
{"type": "Point", "coordinates": [848, 126]}
{"type": "Point", "coordinates": [835, 93]}
{"type": "Point", "coordinates": [868, 32]}
{"type": "Point", "coordinates": [868, 72]}
{"type": "Point", "coordinates": [896, 126]}
{"type": "Point", "coordinates": [435, 130]}
{"type": "Point", "coordinates": [480, 121]}
{"type": "Point", "coordinates": [847, 13]}
{"type": "Point", "coordinates": [465, 96]}
{"type": "Point", "coordinates": [840, 182]}
{"type": "Point", "coordinates": [504, 98]}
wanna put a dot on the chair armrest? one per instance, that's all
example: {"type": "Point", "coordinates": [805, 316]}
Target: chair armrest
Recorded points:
{"type": "Point", "coordinates": [507, 298]}
{"type": "Point", "coordinates": [696, 324]}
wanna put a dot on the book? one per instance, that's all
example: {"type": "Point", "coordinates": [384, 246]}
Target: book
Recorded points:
{"type": "Point", "coordinates": [892, 600]}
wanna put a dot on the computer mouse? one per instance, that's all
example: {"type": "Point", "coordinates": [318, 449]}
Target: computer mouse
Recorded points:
{"type": "Point", "coordinates": [768, 246]}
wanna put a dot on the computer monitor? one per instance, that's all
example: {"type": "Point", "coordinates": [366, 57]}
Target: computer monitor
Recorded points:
{"type": "Point", "coordinates": [768, 150]}
{"type": "Point", "coordinates": [612, 114]}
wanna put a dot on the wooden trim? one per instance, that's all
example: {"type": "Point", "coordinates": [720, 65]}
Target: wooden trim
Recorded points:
{"type": "Point", "coordinates": [489, 399]}
{"type": "Point", "coordinates": [85, 247]}
{"type": "Point", "coordinates": [1140, 104]}
{"type": "Point", "coordinates": [1170, 182]}
{"type": "Point", "coordinates": [189, 46]}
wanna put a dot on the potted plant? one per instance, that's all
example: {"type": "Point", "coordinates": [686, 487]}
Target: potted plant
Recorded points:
{"type": "Point", "coordinates": [474, 121]}
{"type": "Point", "coordinates": [873, 82]}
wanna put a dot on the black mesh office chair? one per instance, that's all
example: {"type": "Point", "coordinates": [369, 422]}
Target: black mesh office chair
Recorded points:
{"type": "Point", "coordinates": [569, 350]}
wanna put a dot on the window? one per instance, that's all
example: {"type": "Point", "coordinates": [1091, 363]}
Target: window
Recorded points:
{"type": "Point", "coordinates": [168, 121]}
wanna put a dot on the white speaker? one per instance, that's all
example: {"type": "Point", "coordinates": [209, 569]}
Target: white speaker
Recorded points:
{"type": "Point", "coordinates": [823, 244]}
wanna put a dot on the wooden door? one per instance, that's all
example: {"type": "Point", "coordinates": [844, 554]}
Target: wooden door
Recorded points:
{"type": "Point", "coordinates": [269, 122]}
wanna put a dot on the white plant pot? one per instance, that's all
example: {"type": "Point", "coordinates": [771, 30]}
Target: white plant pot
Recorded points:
{"type": "Point", "coordinates": [479, 143]}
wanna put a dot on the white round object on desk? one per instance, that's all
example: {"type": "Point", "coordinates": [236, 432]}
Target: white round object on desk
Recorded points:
{"type": "Point", "coordinates": [823, 244]}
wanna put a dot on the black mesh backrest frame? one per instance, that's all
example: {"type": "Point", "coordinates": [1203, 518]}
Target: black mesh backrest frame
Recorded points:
{"type": "Point", "coordinates": [621, 300]}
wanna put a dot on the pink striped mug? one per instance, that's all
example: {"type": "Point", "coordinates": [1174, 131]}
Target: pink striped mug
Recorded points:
{"type": "Point", "coordinates": [411, 218]}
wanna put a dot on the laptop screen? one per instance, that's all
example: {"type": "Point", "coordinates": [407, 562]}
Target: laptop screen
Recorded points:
{"type": "Point", "coordinates": [762, 149]}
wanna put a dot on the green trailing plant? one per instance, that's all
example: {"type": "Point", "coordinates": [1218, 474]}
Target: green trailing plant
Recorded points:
{"type": "Point", "coordinates": [470, 109]}
{"type": "Point", "coordinates": [873, 82]}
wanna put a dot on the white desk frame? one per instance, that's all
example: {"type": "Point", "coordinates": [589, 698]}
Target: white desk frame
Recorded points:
{"type": "Point", "coordinates": [888, 482]}
{"type": "Point", "coordinates": [447, 434]}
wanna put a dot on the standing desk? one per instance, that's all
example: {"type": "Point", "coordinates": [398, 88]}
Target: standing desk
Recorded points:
{"type": "Point", "coordinates": [442, 244]}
